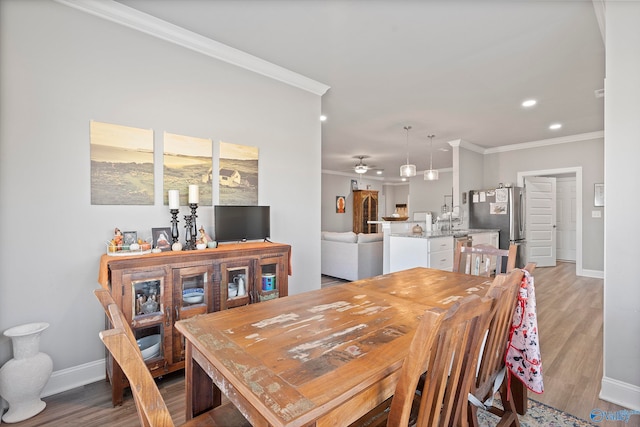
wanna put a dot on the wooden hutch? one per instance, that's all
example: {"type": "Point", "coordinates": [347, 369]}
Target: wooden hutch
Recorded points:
{"type": "Point", "coordinates": [365, 209]}
{"type": "Point", "coordinates": [156, 290]}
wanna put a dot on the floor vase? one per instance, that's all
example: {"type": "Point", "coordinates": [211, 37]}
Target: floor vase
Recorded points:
{"type": "Point", "coordinates": [23, 377]}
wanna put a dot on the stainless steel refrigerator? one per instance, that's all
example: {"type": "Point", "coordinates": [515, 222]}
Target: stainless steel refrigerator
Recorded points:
{"type": "Point", "coordinates": [503, 209]}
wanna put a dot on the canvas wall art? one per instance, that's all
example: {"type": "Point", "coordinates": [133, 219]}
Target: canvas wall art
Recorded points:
{"type": "Point", "coordinates": [238, 174]}
{"type": "Point", "coordinates": [121, 165]}
{"type": "Point", "coordinates": [188, 160]}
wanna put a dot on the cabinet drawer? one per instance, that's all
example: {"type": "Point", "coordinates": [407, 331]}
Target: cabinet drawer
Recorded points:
{"type": "Point", "coordinates": [441, 244]}
{"type": "Point", "coordinates": [442, 260]}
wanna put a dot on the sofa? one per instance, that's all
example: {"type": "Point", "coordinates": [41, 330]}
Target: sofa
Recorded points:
{"type": "Point", "coordinates": [351, 256]}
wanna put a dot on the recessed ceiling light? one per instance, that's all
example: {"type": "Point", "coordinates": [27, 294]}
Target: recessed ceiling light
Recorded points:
{"type": "Point", "coordinates": [529, 103]}
{"type": "Point", "coordinates": [379, 172]}
{"type": "Point", "coordinates": [404, 179]}
{"type": "Point", "coordinates": [555, 126]}
{"type": "Point", "coordinates": [323, 118]}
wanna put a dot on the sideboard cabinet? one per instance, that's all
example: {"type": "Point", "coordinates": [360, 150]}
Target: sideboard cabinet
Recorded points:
{"type": "Point", "coordinates": [156, 290]}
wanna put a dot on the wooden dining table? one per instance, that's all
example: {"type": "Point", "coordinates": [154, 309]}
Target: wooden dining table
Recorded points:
{"type": "Point", "coordinates": [324, 357]}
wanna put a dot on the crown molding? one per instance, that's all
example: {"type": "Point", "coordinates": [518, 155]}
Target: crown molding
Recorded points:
{"type": "Point", "coordinates": [546, 142]}
{"type": "Point", "coordinates": [132, 18]}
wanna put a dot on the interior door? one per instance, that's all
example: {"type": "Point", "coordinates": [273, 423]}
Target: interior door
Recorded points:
{"type": "Point", "coordinates": [566, 219]}
{"type": "Point", "coordinates": [541, 220]}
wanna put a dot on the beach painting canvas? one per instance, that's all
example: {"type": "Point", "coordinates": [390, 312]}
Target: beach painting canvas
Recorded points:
{"type": "Point", "coordinates": [238, 174]}
{"type": "Point", "coordinates": [121, 164]}
{"type": "Point", "coordinates": [188, 160]}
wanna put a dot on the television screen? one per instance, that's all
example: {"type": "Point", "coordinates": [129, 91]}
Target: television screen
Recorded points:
{"type": "Point", "coordinates": [239, 223]}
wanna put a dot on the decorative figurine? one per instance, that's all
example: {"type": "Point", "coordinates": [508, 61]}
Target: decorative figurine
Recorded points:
{"type": "Point", "coordinates": [116, 243]}
{"type": "Point", "coordinates": [204, 237]}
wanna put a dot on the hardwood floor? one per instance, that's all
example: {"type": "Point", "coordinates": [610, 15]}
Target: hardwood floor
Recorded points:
{"type": "Point", "coordinates": [570, 322]}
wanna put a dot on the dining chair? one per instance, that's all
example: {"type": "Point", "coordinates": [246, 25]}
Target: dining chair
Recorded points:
{"type": "Point", "coordinates": [444, 353]}
{"type": "Point", "coordinates": [146, 394]}
{"type": "Point", "coordinates": [447, 364]}
{"type": "Point", "coordinates": [151, 407]}
{"type": "Point", "coordinates": [114, 314]}
{"type": "Point", "coordinates": [492, 371]}
{"type": "Point", "coordinates": [484, 260]}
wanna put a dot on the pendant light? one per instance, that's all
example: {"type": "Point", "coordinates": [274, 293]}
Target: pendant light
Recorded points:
{"type": "Point", "coordinates": [431, 174]}
{"type": "Point", "coordinates": [407, 171]}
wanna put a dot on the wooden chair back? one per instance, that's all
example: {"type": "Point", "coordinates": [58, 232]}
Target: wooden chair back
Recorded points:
{"type": "Point", "coordinates": [151, 407]}
{"type": "Point", "coordinates": [491, 372]}
{"type": "Point", "coordinates": [446, 347]}
{"type": "Point", "coordinates": [115, 315]}
{"type": "Point", "coordinates": [483, 260]}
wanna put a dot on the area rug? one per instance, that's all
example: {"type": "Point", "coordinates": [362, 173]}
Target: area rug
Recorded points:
{"type": "Point", "coordinates": [538, 415]}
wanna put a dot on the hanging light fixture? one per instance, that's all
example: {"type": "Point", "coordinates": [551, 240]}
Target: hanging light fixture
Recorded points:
{"type": "Point", "coordinates": [407, 170]}
{"type": "Point", "coordinates": [431, 174]}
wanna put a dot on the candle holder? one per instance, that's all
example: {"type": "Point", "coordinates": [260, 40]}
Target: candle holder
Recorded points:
{"type": "Point", "coordinates": [194, 228]}
{"type": "Point", "coordinates": [189, 243]}
{"type": "Point", "coordinates": [174, 225]}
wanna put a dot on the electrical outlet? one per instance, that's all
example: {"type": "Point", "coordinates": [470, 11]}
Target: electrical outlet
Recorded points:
{"type": "Point", "coordinates": [596, 214]}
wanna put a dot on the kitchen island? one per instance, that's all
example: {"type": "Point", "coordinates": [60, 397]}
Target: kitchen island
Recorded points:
{"type": "Point", "coordinates": [433, 249]}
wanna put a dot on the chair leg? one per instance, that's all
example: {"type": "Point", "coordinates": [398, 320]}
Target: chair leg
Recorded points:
{"type": "Point", "coordinates": [510, 416]}
{"type": "Point", "coordinates": [473, 415]}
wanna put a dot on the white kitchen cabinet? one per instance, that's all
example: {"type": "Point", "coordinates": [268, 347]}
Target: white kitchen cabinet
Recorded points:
{"type": "Point", "coordinates": [410, 252]}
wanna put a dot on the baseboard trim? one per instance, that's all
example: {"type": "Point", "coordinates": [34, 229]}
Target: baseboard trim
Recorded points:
{"type": "Point", "coordinates": [596, 274]}
{"type": "Point", "coordinates": [76, 376]}
{"type": "Point", "coordinates": [620, 393]}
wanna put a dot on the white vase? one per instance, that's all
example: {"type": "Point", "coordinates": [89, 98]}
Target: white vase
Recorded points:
{"type": "Point", "coordinates": [23, 377]}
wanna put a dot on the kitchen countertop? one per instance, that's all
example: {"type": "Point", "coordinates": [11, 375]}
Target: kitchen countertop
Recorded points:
{"type": "Point", "coordinates": [444, 233]}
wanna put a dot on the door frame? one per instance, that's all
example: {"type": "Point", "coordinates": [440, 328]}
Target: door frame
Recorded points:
{"type": "Point", "coordinates": [578, 173]}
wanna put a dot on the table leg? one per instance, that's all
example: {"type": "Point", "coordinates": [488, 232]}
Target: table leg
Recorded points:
{"type": "Point", "coordinates": [201, 393]}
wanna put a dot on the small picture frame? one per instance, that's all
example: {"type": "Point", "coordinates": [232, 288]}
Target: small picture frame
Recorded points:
{"type": "Point", "coordinates": [341, 204]}
{"type": "Point", "coordinates": [129, 237]}
{"type": "Point", "coordinates": [354, 184]}
{"type": "Point", "coordinates": [598, 194]}
{"type": "Point", "coordinates": [161, 238]}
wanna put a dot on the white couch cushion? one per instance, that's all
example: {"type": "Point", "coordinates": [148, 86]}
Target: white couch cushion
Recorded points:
{"type": "Point", "coordinates": [370, 237]}
{"type": "Point", "coordinates": [347, 236]}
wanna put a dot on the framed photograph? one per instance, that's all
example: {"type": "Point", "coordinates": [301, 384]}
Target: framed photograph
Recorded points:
{"type": "Point", "coordinates": [354, 184]}
{"type": "Point", "coordinates": [129, 237]}
{"type": "Point", "coordinates": [340, 204]}
{"type": "Point", "coordinates": [161, 238]}
{"type": "Point", "coordinates": [598, 194]}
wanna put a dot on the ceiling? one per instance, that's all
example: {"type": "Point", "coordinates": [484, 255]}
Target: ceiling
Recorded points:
{"type": "Point", "coordinates": [456, 69]}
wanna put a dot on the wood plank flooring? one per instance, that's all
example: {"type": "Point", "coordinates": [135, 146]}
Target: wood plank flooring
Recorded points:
{"type": "Point", "coordinates": [570, 323]}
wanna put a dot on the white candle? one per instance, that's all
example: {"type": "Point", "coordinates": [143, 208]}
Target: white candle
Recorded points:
{"type": "Point", "coordinates": [194, 194]}
{"type": "Point", "coordinates": [174, 199]}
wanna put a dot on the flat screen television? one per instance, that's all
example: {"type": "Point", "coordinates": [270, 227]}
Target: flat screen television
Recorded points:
{"type": "Point", "coordinates": [241, 223]}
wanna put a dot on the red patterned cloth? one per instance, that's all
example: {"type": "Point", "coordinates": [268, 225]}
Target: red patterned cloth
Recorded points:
{"type": "Point", "coordinates": [523, 354]}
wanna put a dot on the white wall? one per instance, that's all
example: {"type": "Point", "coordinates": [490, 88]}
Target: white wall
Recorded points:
{"type": "Point", "coordinates": [395, 194]}
{"type": "Point", "coordinates": [429, 195]}
{"type": "Point", "coordinates": [335, 184]}
{"type": "Point", "coordinates": [504, 167]}
{"type": "Point", "coordinates": [621, 382]}
{"type": "Point", "coordinates": [61, 68]}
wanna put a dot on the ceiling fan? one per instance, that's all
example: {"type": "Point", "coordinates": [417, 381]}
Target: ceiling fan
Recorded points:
{"type": "Point", "coordinates": [361, 168]}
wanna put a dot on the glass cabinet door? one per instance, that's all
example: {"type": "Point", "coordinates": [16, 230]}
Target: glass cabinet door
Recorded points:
{"type": "Point", "coordinates": [236, 283]}
{"type": "Point", "coordinates": [270, 270]}
{"type": "Point", "coordinates": [146, 303]}
{"type": "Point", "coordinates": [192, 295]}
